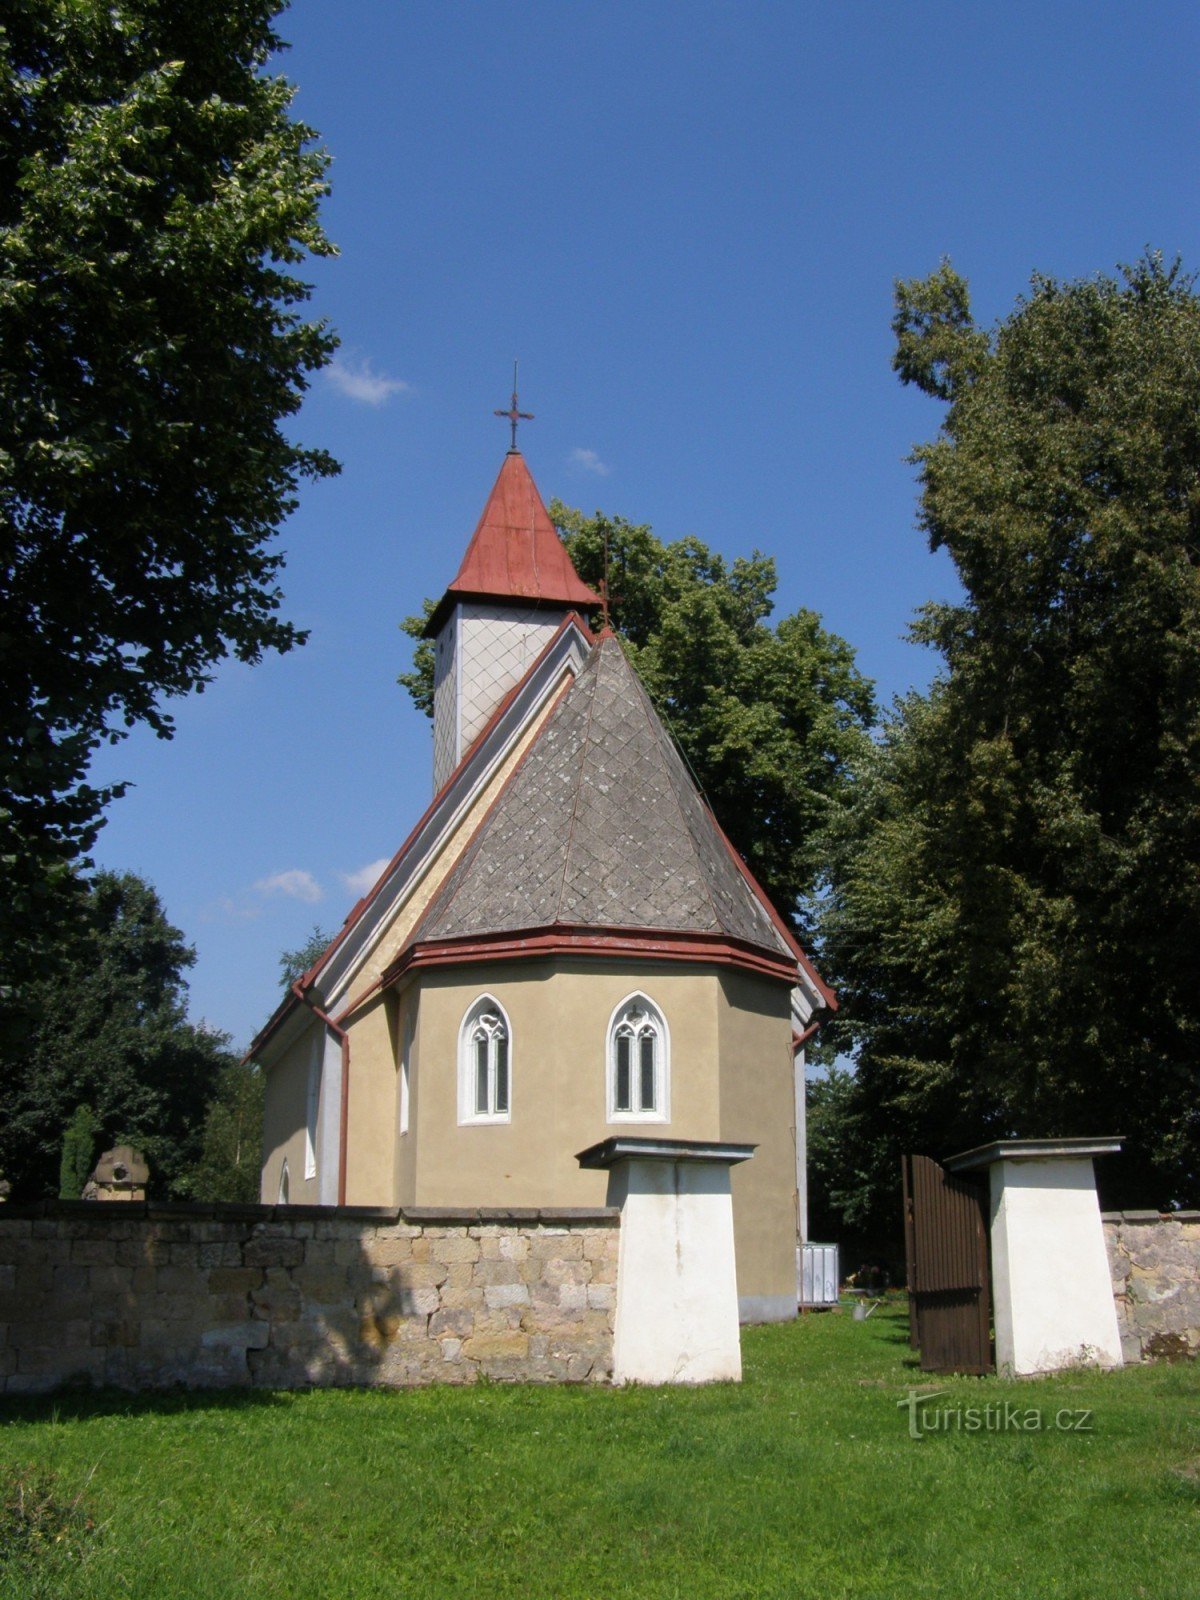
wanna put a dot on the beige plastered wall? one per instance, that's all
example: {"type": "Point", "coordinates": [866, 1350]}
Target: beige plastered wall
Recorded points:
{"type": "Point", "coordinates": [758, 1106]}
{"type": "Point", "coordinates": [559, 1015]}
{"type": "Point", "coordinates": [285, 1108]}
{"type": "Point", "coordinates": [730, 1078]}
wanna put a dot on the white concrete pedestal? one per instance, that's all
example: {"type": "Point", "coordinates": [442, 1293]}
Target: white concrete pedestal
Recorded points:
{"type": "Point", "coordinates": [677, 1303]}
{"type": "Point", "coordinates": [1052, 1292]}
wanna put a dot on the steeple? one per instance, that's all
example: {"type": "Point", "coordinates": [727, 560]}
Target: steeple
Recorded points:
{"type": "Point", "coordinates": [515, 554]}
{"type": "Point", "coordinates": [513, 589]}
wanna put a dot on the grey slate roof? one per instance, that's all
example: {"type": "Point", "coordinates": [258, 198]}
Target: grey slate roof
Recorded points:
{"type": "Point", "coordinates": [601, 826]}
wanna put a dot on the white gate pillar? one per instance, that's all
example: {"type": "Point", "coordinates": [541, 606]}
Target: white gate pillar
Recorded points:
{"type": "Point", "coordinates": [677, 1302]}
{"type": "Point", "coordinates": [1052, 1292]}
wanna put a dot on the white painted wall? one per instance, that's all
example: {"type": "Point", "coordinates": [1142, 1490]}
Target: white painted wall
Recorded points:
{"type": "Point", "coordinates": [677, 1306]}
{"type": "Point", "coordinates": [1052, 1292]}
{"type": "Point", "coordinates": [483, 650]}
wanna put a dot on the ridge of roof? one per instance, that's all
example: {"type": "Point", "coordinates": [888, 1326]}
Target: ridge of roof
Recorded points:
{"type": "Point", "coordinates": [515, 552]}
{"type": "Point", "coordinates": [601, 825]}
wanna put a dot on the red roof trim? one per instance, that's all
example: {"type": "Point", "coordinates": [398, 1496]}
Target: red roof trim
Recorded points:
{"type": "Point", "coordinates": [822, 988]}
{"type": "Point", "coordinates": [661, 944]}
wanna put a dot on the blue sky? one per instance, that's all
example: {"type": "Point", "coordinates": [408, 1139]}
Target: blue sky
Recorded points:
{"type": "Point", "coordinates": [685, 220]}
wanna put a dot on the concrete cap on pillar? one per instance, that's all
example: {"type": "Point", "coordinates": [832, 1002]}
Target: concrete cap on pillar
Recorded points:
{"type": "Point", "coordinates": [1032, 1150]}
{"type": "Point", "coordinates": [620, 1148]}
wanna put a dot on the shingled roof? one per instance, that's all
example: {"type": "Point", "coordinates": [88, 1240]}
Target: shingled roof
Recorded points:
{"type": "Point", "coordinates": [514, 553]}
{"type": "Point", "coordinates": [601, 826]}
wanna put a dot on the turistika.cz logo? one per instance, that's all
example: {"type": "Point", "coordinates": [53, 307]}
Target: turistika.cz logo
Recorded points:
{"type": "Point", "coordinates": [1001, 1416]}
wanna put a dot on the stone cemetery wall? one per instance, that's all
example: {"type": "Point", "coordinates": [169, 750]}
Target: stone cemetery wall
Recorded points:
{"type": "Point", "coordinates": [1155, 1263]}
{"type": "Point", "coordinates": [146, 1296]}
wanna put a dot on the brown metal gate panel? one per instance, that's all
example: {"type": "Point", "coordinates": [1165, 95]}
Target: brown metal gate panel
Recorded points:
{"type": "Point", "coordinates": [945, 1238]}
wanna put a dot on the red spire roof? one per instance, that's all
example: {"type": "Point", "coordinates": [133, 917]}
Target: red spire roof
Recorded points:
{"type": "Point", "coordinates": [515, 554]}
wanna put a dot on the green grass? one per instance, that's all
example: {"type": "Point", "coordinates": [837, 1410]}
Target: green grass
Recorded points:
{"type": "Point", "coordinates": [802, 1481]}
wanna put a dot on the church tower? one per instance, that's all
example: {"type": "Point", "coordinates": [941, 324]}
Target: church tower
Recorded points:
{"type": "Point", "coordinates": [514, 589]}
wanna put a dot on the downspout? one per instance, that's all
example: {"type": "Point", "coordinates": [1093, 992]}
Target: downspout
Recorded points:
{"type": "Point", "coordinates": [343, 1039]}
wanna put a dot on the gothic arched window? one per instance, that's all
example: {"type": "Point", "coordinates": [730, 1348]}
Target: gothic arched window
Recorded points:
{"type": "Point", "coordinates": [485, 1063]}
{"type": "Point", "coordinates": [638, 1062]}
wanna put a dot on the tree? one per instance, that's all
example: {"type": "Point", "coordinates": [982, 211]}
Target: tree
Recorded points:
{"type": "Point", "coordinates": [111, 1034]}
{"type": "Point", "coordinates": [768, 718]}
{"type": "Point", "coordinates": [230, 1160]}
{"type": "Point", "coordinates": [294, 964]}
{"type": "Point", "coordinates": [1017, 885]}
{"type": "Point", "coordinates": [154, 194]}
{"type": "Point", "coordinates": [78, 1148]}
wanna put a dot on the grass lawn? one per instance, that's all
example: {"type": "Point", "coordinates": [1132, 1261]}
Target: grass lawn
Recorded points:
{"type": "Point", "coordinates": [802, 1481]}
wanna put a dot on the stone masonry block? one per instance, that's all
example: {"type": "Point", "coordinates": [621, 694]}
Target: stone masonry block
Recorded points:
{"type": "Point", "coordinates": [487, 1347]}
{"type": "Point", "coordinates": [93, 1253]}
{"type": "Point", "coordinates": [71, 1280]}
{"type": "Point", "coordinates": [498, 1295]}
{"type": "Point", "coordinates": [387, 1252]}
{"type": "Point", "coordinates": [273, 1252]}
{"type": "Point", "coordinates": [455, 1249]}
{"type": "Point", "coordinates": [321, 1285]}
{"type": "Point", "coordinates": [468, 1298]}
{"type": "Point", "coordinates": [546, 1242]}
{"type": "Point", "coordinates": [492, 1272]}
{"type": "Point", "coordinates": [234, 1280]}
{"type": "Point", "coordinates": [457, 1324]}
{"type": "Point", "coordinates": [559, 1271]}
{"type": "Point", "coordinates": [145, 1252]}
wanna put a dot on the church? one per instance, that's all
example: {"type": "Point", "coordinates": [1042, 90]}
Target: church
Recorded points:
{"type": "Point", "coordinates": [565, 948]}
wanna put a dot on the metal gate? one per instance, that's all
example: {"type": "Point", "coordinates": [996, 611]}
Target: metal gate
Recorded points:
{"type": "Point", "coordinates": [945, 1240]}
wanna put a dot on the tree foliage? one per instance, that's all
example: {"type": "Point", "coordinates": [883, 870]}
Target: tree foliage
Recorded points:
{"type": "Point", "coordinates": [111, 1034]}
{"type": "Point", "coordinates": [78, 1149]}
{"type": "Point", "coordinates": [768, 717]}
{"type": "Point", "coordinates": [293, 964]}
{"type": "Point", "coordinates": [154, 196]}
{"type": "Point", "coordinates": [230, 1162]}
{"type": "Point", "coordinates": [1017, 884]}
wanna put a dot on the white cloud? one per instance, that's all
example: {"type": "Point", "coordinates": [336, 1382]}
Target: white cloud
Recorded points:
{"type": "Point", "coordinates": [362, 880]}
{"type": "Point", "coordinates": [356, 378]}
{"type": "Point", "coordinates": [589, 461]}
{"type": "Point", "coordinates": [242, 910]}
{"type": "Point", "coordinates": [296, 883]}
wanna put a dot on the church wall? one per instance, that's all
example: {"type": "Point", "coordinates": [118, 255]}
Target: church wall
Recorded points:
{"type": "Point", "coordinates": [559, 1013]}
{"type": "Point", "coordinates": [758, 1106]}
{"type": "Point", "coordinates": [285, 1113]}
{"type": "Point", "coordinates": [371, 1129]}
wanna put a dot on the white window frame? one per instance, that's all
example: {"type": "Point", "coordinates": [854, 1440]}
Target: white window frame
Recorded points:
{"type": "Point", "coordinates": [468, 1113]}
{"type": "Point", "coordinates": [661, 1111]}
{"type": "Point", "coordinates": [284, 1185]}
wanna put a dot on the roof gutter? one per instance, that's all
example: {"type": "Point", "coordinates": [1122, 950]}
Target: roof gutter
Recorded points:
{"type": "Point", "coordinates": [799, 1040]}
{"type": "Point", "coordinates": [343, 1039]}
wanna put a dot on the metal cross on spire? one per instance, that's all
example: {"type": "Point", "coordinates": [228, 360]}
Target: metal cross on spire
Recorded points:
{"type": "Point", "coordinates": [512, 415]}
